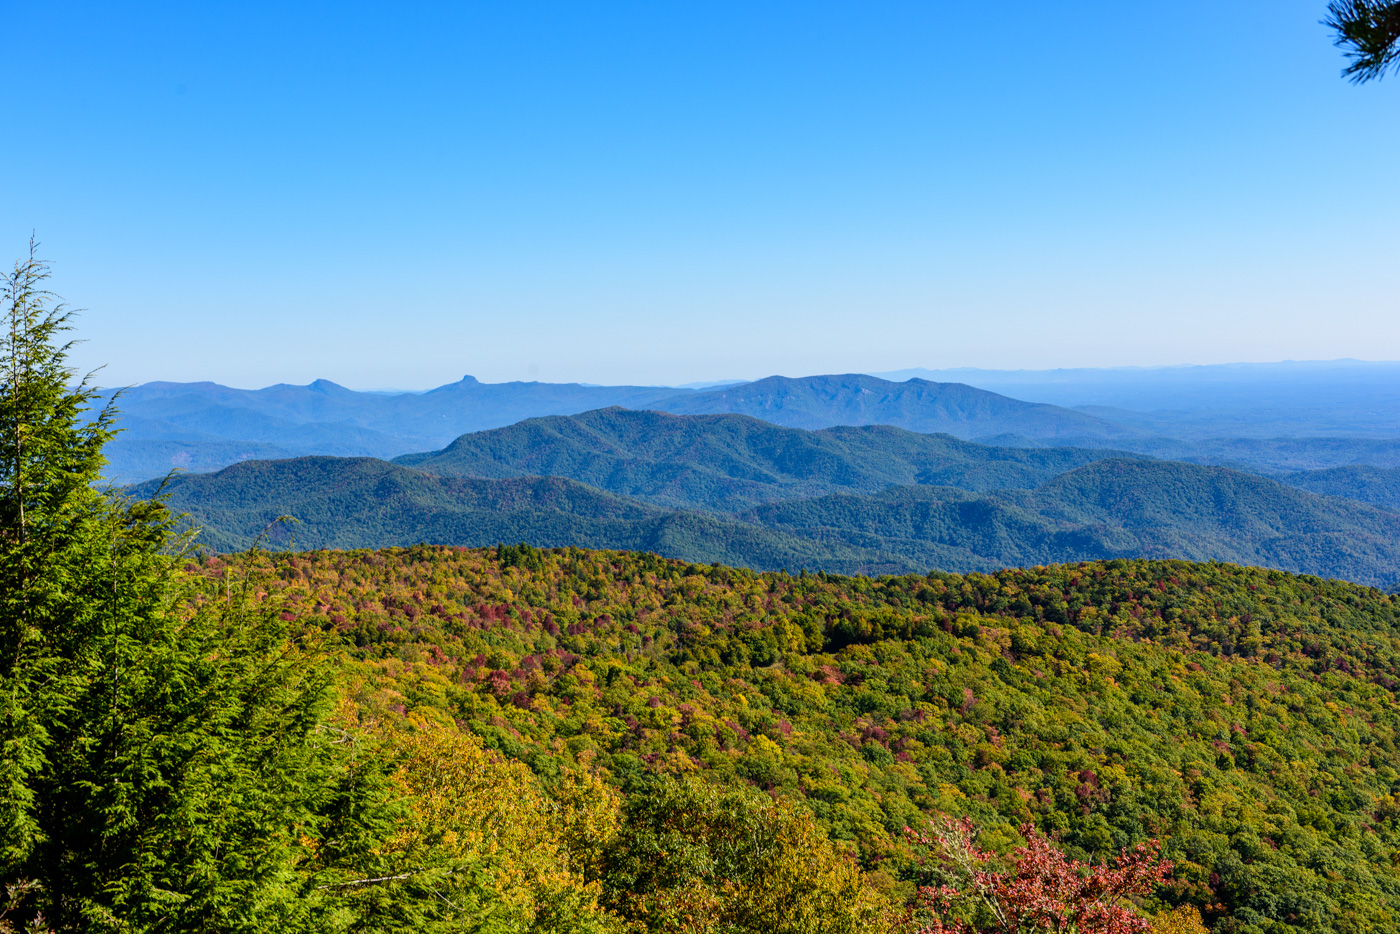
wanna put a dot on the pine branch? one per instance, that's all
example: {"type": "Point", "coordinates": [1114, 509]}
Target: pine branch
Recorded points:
{"type": "Point", "coordinates": [1369, 31]}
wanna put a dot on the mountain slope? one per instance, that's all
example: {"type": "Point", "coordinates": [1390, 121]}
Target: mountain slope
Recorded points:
{"type": "Point", "coordinates": [1118, 508]}
{"type": "Point", "coordinates": [1245, 718]}
{"type": "Point", "coordinates": [362, 502]}
{"type": "Point", "coordinates": [732, 462]}
{"type": "Point", "coordinates": [1378, 486]}
{"type": "Point", "coordinates": [916, 405]}
{"type": "Point", "coordinates": [1107, 509]}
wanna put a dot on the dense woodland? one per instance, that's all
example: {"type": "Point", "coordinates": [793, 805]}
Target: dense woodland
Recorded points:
{"type": "Point", "coordinates": [1379, 486]}
{"type": "Point", "coordinates": [1246, 717]}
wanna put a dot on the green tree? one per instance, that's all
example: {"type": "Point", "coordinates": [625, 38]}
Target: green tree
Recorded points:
{"type": "Point", "coordinates": [163, 764]}
{"type": "Point", "coordinates": [1369, 32]}
{"type": "Point", "coordinates": [694, 859]}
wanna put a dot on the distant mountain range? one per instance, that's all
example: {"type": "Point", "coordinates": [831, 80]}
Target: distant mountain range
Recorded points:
{"type": "Point", "coordinates": [1275, 426]}
{"type": "Point", "coordinates": [196, 425]}
{"type": "Point", "coordinates": [1337, 398]}
{"type": "Point", "coordinates": [734, 489]}
{"type": "Point", "coordinates": [842, 473]}
{"type": "Point", "coordinates": [204, 426]}
{"type": "Point", "coordinates": [916, 405]}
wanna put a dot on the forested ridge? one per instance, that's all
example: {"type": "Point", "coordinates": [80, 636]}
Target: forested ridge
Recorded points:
{"type": "Point", "coordinates": [1102, 508]}
{"type": "Point", "coordinates": [726, 463]}
{"type": "Point", "coordinates": [1246, 717]}
{"type": "Point", "coordinates": [1379, 486]}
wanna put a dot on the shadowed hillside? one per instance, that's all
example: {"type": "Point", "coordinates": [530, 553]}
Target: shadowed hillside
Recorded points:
{"type": "Point", "coordinates": [1117, 508]}
{"type": "Point", "coordinates": [358, 502]}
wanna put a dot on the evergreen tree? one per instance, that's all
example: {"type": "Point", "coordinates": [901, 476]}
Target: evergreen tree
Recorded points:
{"type": "Point", "coordinates": [1369, 31]}
{"type": "Point", "coordinates": [163, 758]}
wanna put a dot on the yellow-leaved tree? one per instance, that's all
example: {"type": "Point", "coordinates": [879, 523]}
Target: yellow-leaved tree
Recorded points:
{"type": "Point", "coordinates": [1183, 920]}
{"type": "Point", "coordinates": [698, 859]}
{"type": "Point", "coordinates": [480, 846]}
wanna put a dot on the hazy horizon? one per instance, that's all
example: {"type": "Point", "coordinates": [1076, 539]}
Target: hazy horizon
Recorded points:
{"type": "Point", "coordinates": [898, 375]}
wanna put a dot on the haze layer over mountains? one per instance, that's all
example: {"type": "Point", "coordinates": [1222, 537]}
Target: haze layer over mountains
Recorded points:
{"type": "Point", "coordinates": [1271, 417]}
{"type": "Point", "coordinates": [841, 473]}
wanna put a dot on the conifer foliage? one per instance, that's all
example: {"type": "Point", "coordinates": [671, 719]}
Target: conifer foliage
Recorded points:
{"type": "Point", "coordinates": [160, 768]}
{"type": "Point", "coordinates": [1369, 32]}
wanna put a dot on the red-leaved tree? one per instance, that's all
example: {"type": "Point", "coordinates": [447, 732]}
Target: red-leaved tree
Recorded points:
{"type": "Point", "coordinates": [1043, 891]}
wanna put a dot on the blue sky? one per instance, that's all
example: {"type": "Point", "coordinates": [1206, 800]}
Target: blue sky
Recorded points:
{"type": "Point", "coordinates": [396, 195]}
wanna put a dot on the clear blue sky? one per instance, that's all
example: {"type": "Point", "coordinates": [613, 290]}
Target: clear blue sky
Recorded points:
{"type": "Point", "coordinates": [398, 194]}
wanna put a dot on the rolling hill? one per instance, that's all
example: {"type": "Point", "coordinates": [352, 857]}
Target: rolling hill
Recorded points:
{"type": "Point", "coordinates": [363, 502]}
{"type": "Point", "coordinates": [1378, 486]}
{"type": "Point", "coordinates": [1116, 508]}
{"type": "Point", "coordinates": [730, 462]}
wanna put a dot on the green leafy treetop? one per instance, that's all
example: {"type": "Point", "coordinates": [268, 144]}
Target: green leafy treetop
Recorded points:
{"type": "Point", "coordinates": [161, 767]}
{"type": "Point", "coordinates": [1369, 31]}
{"type": "Point", "coordinates": [692, 858]}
